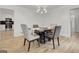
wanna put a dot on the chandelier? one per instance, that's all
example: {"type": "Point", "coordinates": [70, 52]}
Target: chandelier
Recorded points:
{"type": "Point", "coordinates": [41, 10]}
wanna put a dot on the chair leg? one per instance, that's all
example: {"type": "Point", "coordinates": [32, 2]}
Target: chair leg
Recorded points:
{"type": "Point", "coordinates": [29, 46]}
{"type": "Point", "coordinates": [38, 42]}
{"type": "Point", "coordinates": [24, 42]}
{"type": "Point", "coordinates": [58, 41]}
{"type": "Point", "coordinates": [44, 39]}
{"type": "Point", "coordinates": [49, 39]}
{"type": "Point", "coordinates": [53, 44]}
{"type": "Point", "coordinates": [33, 42]}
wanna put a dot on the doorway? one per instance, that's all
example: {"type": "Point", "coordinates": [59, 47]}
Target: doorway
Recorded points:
{"type": "Point", "coordinates": [74, 21]}
{"type": "Point", "coordinates": [6, 24]}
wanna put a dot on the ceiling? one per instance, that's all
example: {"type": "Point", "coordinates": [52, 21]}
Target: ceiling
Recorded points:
{"type": "Point", "coordinates": [36, 6]}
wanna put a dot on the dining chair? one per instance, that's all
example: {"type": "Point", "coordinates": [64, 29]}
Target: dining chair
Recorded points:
{"type": "Point", "coordinates": [29, 36]}
{"type": "Point", "coordinates": [35, 25]}
{"type": "Point", "coordinates": [55, 35]}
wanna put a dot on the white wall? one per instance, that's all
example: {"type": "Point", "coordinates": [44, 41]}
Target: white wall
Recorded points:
{"type": "Point", "coordinates": [72, 17]}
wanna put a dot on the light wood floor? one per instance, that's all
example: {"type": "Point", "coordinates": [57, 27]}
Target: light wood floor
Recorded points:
{"type": "Point", "coordinates": [67, 45]}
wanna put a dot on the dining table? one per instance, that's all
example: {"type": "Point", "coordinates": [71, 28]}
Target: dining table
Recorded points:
{"type": "Point", "coordinates": [41, 31]}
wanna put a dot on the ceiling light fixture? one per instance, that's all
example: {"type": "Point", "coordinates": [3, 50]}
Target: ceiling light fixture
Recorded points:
{"type": "Point", "coordinates": [41, 10]}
